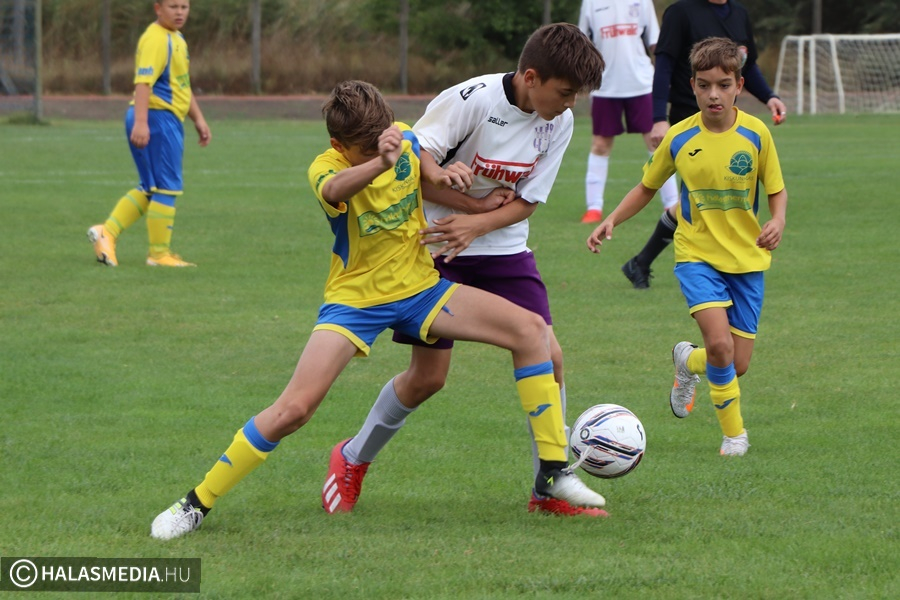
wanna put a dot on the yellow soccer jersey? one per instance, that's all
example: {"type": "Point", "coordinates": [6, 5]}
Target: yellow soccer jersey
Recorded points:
{"type": "Point", "coordinates": [719, 196]}
{"type": "Point", "coordinates": [162, 62]}
{"type": "Point", "coordinates": [376, 257]}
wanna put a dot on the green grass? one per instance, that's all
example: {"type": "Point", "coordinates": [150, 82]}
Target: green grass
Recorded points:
{"type": "Point", "coordinates": [120, 387]}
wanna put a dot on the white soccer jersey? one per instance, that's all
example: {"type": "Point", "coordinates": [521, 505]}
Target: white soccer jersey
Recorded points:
{"type": "Point", "coordinates": [477, 122]}
{"type": "Point", "coordinates": [622, 30]}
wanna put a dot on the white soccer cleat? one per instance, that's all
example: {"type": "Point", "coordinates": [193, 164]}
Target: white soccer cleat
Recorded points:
{"type": "Point", "coordinates": [681, 398]}
{"type": "Point", "coordinates": [565, 485]}
{"type": "Point", "coordinates": [735, 446]}
{"type": "Point", "coordinates": [175, 521]}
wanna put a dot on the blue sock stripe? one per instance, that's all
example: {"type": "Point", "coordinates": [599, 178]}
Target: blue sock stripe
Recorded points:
{"type": "Point", "coordinates": [166, 199]}
{"type": "Point", "coordinates": [256, 439]}
{"type": "Point", "coordinates": [532, 370]}
{"type": "Point", "coordinates": [720, 375]}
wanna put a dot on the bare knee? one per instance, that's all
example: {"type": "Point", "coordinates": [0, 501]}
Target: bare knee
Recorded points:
{"type": "Point", "coordinates": [283, 418]}
{"type": "Point", "coordinates": [533, 335]}
{"type": "Point", "coordinates": [415, 386]}
{"type": "Point", "coordinates": [419, 389]}
{"type": "Point", "coordinates": [720, 351]}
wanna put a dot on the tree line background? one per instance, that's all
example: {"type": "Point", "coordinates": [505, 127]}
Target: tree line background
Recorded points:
{"type": "Point", "coordinates": [308, 45]}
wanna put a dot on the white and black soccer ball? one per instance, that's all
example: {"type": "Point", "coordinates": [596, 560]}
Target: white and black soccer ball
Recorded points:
{"type": "Point", "coordinates": [608, 441]}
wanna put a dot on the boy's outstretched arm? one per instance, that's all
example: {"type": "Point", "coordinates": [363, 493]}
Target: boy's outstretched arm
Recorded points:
{"type": "Point", "coordinates": [635, 200]}
{"type": "Point", "coordinates": [352, 180]}
{"type": "Point", "coordinates": [771, 233]}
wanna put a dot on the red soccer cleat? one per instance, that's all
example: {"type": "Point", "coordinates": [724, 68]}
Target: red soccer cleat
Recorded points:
{"type": "Point", "coordinates": [592, 216]}
{"type": "Point", "coordinates": [343, 482]}
{"type": "Point", "coordinates": [561, 507]}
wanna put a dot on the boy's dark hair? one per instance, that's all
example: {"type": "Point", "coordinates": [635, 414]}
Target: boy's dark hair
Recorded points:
{"type": "Point", "coordinates": [717, 52]}
{"type": "Point", "coordinates": [562, 51]}
{"type": "Point", "coordinates": [356, 114]}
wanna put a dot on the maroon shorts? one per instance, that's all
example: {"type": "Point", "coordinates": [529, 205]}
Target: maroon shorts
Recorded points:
{"type": "Point", "coordinates": [606, 114]}
{"type": "Point", "coordinates": [514, 277]}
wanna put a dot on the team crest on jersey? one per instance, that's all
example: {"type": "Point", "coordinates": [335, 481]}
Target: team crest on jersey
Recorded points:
{"type": "Point", "coordinates": [741, 163]}
{"type": "Point", "coordinates": [403, 168]}
{"type": "Point", "coordinates": [542, 135]}
{"type": "Point", "coordinates": [465, 93]}
{"type": "Point", "coordinates": [501, 170]}
{"type": "Point", "coordinates": [634, 10]}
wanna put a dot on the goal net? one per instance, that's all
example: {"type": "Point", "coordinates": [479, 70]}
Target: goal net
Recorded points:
{"type": "Point", "coordinates": [840, 73]}
{"type": "Point", "coordinates": [20, 89]}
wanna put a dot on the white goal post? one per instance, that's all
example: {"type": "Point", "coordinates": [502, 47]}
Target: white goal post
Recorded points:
{"type": "Point", "coordinates": [839, 73]}
{"type": "Point", "coordinates": [20, 58]}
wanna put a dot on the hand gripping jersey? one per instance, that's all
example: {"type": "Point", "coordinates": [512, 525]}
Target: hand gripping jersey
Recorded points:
{"type": "Point", "coordinates": [376, 257]}
{"type": "Point", "coordinates": [477, 122]}
{"type": "Point", "coordinates": [162, 62]}
{"type": "Point", "coordinates": [719, 199]}
{"type": "Point", "coordinates": [622, 30]}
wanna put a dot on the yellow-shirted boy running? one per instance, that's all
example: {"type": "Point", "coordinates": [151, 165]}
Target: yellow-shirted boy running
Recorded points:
{"type": "Point", "coordinates": [722, 155]}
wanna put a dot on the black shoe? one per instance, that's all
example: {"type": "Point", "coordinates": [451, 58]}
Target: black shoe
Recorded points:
{"type": "Point", "coordinates": [637, 275]}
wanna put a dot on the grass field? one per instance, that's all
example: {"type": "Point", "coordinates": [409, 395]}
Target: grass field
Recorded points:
{"type": "Point", "coordinates": [120, 387]}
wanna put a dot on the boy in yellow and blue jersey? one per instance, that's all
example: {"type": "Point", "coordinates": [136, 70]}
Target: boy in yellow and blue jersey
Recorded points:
{"type": "Point", "coordinates": [369, 185]}
{"type": "Point", "coordinates": [154, 124]}
{"type": "Point", "coordinates": [722, 155]}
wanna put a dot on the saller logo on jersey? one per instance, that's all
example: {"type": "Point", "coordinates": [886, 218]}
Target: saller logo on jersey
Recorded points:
{"type": "Point", "coordinates": [500, 170]}
{"type": "Point", "coordinates": [470, 90]}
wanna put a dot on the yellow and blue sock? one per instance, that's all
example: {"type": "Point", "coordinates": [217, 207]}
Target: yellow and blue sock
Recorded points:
{"type": "Point", "coordinates": [248, 450]}
{"type": "Point", "coordinates": [160, 221]}
{"type": "Point", "coordinates": [696, 362]}
{"type": "Point", "coordinates": [725, 394]}
{"type": "Point", "coordinates": [127, 211]}
{"type": "Point", "coordinates": [540, 397]}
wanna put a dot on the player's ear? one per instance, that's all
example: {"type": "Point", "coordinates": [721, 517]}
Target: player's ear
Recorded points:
{"type": "Point", "coordinates": [531, 78]}
{"type": "Point", "coordinates": [337, 145]}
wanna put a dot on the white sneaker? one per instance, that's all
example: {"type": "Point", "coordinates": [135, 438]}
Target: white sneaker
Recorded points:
{"type": "Point", "coordinates": [681, 398]}
{"type": "Point", "coordinates": [735, 446]}
{"type": "Point", "coordinates": [177, 520]}
{"type": "Point", "coordinates": [565, 485]}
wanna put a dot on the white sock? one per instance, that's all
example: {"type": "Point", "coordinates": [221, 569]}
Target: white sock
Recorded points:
{"type": "Point", "coordinates": [668, 193]}
{"type": "Point", "coordinates": [385, 419]}
{"type": "Point", "coordinates": [595, 181]}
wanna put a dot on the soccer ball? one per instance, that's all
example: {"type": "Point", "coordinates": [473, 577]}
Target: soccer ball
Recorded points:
{"type": "Point", "coordinates": [608, 441]}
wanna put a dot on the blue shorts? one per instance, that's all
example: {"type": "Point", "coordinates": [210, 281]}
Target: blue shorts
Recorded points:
{"type": "Point", "coordinates": [159, 164]}
{"type": "Point", "coordinates": [412, 316]}
{"type": "Point", "coordinates": [606, 115]}
{"type": "Point", "coordinates": [511, 276]}
{"type": "Point", "coordinates": [740, 294]}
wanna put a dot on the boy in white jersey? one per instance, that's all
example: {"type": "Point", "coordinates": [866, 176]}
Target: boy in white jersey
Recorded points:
{"type": "Point", "coordinates": [369, 187]}
{"type": "Point", "coordinates": [721, 252]}
{"type": "Point", "coordinates": [155, 130]}
{"type": "Point", "coordinates": [625, 33]}
{"type": "Point", "coordinates": [512, 129]}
